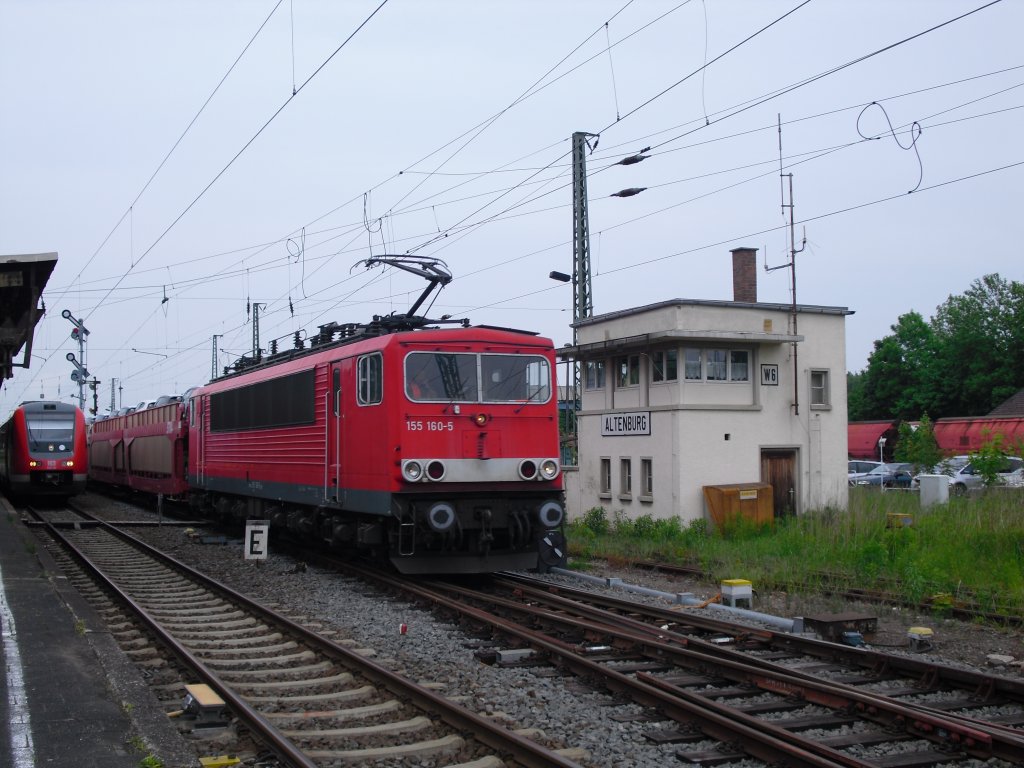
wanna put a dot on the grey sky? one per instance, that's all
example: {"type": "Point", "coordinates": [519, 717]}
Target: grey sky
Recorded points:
{"type": "Point", "coordinates": [391, 146]}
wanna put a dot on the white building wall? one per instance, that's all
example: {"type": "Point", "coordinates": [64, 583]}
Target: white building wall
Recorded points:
{"type": "Point", "coordinates": [710, 433]}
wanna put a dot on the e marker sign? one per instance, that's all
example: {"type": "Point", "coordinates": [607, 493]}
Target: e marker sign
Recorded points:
{"type": "Point", "coordinates": [257, 532]}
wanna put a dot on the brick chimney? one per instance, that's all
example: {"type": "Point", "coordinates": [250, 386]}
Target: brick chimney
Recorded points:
{"type": "Point", "coordinates": [744, 275]}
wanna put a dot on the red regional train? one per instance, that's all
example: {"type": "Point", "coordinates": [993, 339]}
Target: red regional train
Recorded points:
{"type": "Point", "coordinates": [43, 450]}
{"type": "Point", "coordinates": [434, 448]}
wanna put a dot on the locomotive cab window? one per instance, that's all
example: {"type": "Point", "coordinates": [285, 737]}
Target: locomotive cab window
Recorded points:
{"type": "Point", "coordinates": [371, 380]}
{"type": "Point", "coordinates": [471, 378]}
{"type": "Point", "coordinates": [515, 379]}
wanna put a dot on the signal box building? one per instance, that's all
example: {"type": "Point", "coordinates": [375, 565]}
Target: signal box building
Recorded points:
{"type": "Point", "coordinates": [685, 394]}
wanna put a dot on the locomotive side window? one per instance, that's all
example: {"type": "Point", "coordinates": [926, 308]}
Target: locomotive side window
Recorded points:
{"type": "Point", "coordinates": [370, 372]}
{"type": "Point", "coordinates": [515, 378]}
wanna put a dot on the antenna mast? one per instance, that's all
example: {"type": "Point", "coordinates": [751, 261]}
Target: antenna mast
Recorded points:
{"type": "Point", "coordinates": [793, 251]}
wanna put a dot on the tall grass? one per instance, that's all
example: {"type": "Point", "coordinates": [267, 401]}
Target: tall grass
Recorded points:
{"type": "Point", "coordinates": [970, 550]}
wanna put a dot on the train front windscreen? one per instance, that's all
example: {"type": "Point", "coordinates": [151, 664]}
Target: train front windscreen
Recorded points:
{"type": "Point", "coordinates": [50, 432]}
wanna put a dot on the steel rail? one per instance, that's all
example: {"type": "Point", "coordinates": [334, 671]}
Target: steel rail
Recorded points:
{"type": "Point", "coordinates": [916, 720]}
{"type": "Point", "coordinates": [872, 661]}
{"type": "Point", "coordinates": [763, 740]}
{"type": "Point", "coordinates": [860, 657]}
{"type": "Point", "coordinates": [526, 752]}
{"type": "Point", "coordinates": [936, 727]}
{"type": "Point", "coordinates": [278, 743]}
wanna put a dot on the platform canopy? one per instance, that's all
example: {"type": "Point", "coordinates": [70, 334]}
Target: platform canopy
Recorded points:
{"type": "Point", "coordinates": [22, 279]}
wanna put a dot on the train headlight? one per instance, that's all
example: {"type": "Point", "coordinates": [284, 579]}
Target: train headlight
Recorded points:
{"type": "Point", "coordinates": [550, 514]}
{"type": "Point", "coordinates": [412, 471]}
{"type": "Point", "coordinates": [480, 419]}
{"type": "Point", "coordinates": [527, 469]}
{"type": "Point", "coordinates": [441, 517]}
{"type": "Point", "coordinates": [33, 463]}
{"type": "Point", "coordinates": [69, 463]}
{"type": "Point", "coordinates": [435, 470]}
{"type": "Point", "coordinates": [548, 469]}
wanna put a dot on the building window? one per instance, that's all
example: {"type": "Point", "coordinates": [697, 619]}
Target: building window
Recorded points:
{"type": "Point", "coordinates": [595, 375]}
{"type": "Point", "coordinates": [647, 478]}
{"type": "Point", "coordinates": [371, 384]}
{"type": "Point", "coordinates": [691, 364]}
{"type": "Point", "coordinates": [627, 371]}
{"type": "Point", "coordinates": [625, 477]}
{"type": "Point", "coordinates": [819, 389]}
{"type": "Point", "coordinates": [665, 365]}
{"type": "Point", "coordinates": [738, 365]}
{"type": "Point", "coordinates": [718, 362]}
{"type": "Point", "coordinates": [606, 476]}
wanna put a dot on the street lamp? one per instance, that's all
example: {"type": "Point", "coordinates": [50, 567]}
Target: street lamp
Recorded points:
{"type": "Point", "coordinates": [881, 459]}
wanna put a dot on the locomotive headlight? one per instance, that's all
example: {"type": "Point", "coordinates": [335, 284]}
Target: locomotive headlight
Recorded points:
{"type": "Point", "coordinates": [33, 463]}
{"type": "Point", "coordinates": [412, 471]}
{"type": "Point", "coordinates": [480, 419]}
{"type": "Point", "coordinates": [441, 517]}
{"type": "Point", "coordinates": [69, 463]}
{"type": "Point", "coordinates": [550, 514]}
{"type": "Point", "coordinates": [527, 469]}
{"type": "Point", "coordinates": [548, 469]}
{"type": "Point", "coordinates": [435, 470]}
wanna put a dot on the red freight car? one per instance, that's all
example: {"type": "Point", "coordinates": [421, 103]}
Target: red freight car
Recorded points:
{"type": "Point", "coordinates": [43, 450]}
{"type": "Point", "coordinates": [143, 450]}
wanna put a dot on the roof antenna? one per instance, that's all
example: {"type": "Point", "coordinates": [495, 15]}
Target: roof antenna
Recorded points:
{"type": "Point", "coordinates": [793, 251]}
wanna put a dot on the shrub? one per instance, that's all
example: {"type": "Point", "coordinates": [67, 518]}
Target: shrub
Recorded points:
{"type": "Point", "coordinates": [596, 521]}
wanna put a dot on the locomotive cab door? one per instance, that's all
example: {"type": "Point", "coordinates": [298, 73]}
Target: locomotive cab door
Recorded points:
{"type": "Point", "coordinates": [335, 418]}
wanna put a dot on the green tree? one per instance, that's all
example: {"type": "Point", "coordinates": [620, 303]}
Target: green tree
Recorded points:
{"type": "Point", "coordinates": [980, 347]}
{"type": "Point", "coordinates": [989, 459]}
{"type": "Point", "coordinates": [964, 362]}
{"type": "Point", "coordinates": [918, 446]}
{"type": "Point", "coordinates": [898, 382]}
{"type": "Point", "coordinates": [855, 406]}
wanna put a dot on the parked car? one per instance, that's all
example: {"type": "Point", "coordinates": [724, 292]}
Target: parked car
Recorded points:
{"type": "Point", "coordinates": [968, 477]}
{"type": "Point", "coordinates": [860, 467]}
{"type": "Point", "coordinates": [887, 476]}
{"type": "Point", "coordinates": [948, 466]}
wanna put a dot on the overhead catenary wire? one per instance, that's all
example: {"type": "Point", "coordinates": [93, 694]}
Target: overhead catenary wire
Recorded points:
{"type": "Point", "coordinates": [545, 182]}
{"type": "Point", "coordinates": [247, 144]}
{"type": "Point", "coordinates": [129, 212]}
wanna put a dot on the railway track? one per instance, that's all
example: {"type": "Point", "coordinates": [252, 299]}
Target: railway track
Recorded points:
{"type": "Point", "coordinates": [730, 693]}
{"type": "Point", "coordinates": [308, 700]}
{"type": "Point", "coordinates": [716, 693]}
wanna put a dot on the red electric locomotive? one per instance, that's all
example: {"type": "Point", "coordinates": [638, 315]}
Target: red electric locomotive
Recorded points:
{"type": "Point", "coordinates": [435, 448]}
{"type": "Point", "coordinates": [43, 450]}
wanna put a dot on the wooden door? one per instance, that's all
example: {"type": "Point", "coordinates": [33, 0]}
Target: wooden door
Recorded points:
{"type": "Point", "coordinates": [778, 467]}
